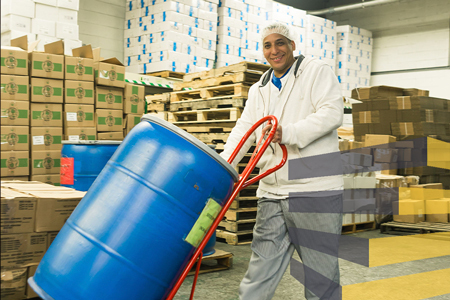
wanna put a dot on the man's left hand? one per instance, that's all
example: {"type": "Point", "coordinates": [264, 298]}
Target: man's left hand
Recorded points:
{"type": "Point", "coordinates": [278, 133]}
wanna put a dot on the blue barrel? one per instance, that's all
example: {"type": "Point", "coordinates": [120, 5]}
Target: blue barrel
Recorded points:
{"type": "Point", "coordinates": [138, 225]}
{"type": "Point", "coordinates": [82, 161]}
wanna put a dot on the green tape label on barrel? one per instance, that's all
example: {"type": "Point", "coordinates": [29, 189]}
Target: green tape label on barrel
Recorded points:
{"type": "Point", "coordinates": [203, 223]}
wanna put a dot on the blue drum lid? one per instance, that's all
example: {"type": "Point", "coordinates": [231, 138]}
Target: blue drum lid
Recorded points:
{"type": "Point", "coordinates": [202, 146]}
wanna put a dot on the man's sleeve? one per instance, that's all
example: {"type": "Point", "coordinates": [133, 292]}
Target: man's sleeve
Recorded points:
{"type": "Point", "coordinates": [243, 124]}
{"type": "Point", "coordinates": [327, 100]}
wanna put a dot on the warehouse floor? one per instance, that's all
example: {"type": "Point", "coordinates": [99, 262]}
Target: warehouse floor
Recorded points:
{"type": "Point", "coordinates": [224, 285]}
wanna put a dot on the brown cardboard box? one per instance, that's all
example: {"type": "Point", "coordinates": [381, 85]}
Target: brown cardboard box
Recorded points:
{"type": "Point", "coordinates": [18, 212]}
{"type": "Point", "coordinates": [344, 145]}
{"type": "Point", "coordinates": [27, 186]}
{"type": "Point", "coordinates": [15, 163]}
{"type": "Point", "coordinates": [45, 162]}
{"type": "Point", "coordinates": [22, 178]}
{"type": "Point", "coordinates": [134, 102]}
{"type": "Point", "coordinates": [81, 65]}
{"type": "Point", "coordinates": [75, 134]}
{"type": "Point", "coordinates": [15, 88]}
{"type": "Point", "coordinates": [389, 181]}
{"type": "Point", "coordinates": [46, 138]}
{"type": "Point", "coordinates": [30, 293]}
{"type": "Point", "coordinates": [46, 115]}
{"type": "Point", "coordinates": [14, 59]}
{"type": "Point", "coordinates": [15, 112]}
{"type": "Point", "coordinates": [110, 72]}
{"type": "Point", "coordinates": [375, 116]}
{"type": "Point", "coordinates": [417, 102]}
{"type": "Point", "coordinates": [416, 92]}
{"type": "Point", "coordinates": [80, 92]}
{"type": "Point", "coordinates": [51, 237]}
{"type": "Point", "coordinates": [430, 191]}
{"type": "Point", "coordinates": [409, 211]}
{"type": "Point", "coordinates": [112, 136]}
{"type": "Point", "coordinates": [76, 115]}
{"type": "Point", "coordinates": [385, 155]}
{"type": "Point", "coordinates": [130, 121]}
{"type": "Point", "coordinates": [418, 128]}
{"type": "Point", "coordinates": [381, 141]}
{"type": "Point", "coordinates": [382, 91]}
{"type": "Point", "coordinates": [437, 210]}
{"type": "Point", "coordinates": [14, 283]}
{"type": "Point", "coordinates": [109, 120]}
{"type": "Point", "coordinates": [380, 128]}
{"type": "Point", "coordinates": [14, 138]}
{"type": "Point", "coordinates": [48, 64]}
{"type": "Point", "coordinates": [47, 90]}
{"type": "Point", "coordinates": [54, 208]}
{"type": "Point", "coordinates": [53, 179]}
{"type": "Point", "coordinates": [109, 98]}
{"type": "Point", "coordinates": [360, 129]}
{"type": "Point", "coordinates": [22, 249]}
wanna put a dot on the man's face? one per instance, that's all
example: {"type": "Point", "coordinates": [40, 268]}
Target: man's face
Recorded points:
{"type": "Point", "coordinates": [278, 51]}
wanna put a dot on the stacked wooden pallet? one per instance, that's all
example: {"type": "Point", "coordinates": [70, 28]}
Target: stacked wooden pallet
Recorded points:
{"type": "Point", "coordinates": [207, 105]}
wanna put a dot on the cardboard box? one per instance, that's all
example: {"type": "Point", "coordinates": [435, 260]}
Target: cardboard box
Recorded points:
{"type": "Point", "coordinates": [76, 134]}
{"type": "Point", "coordinates": [46, 138]}
{"type": "Point", "coordinates": [76, 115]}
{"type": "Point", "coordinates": [51, 237]}
{"type": "Point", "coordinates": [14, 138]}
{"type": "Point", "coordinates": [389, 181]}
{"type": "Point", "coordinates": [18, 212]}
{"type": "Point", "coordinates": [409, 211]}
{"type": "Point", "coordinates": [45, 162]}
{"type": "Point", "coordinates": [109, 98]}
{"type": "Point", "coordinates": [15, 163]}
{"type": "Point", "coordinates": [15, 88]}
{"type": "Point", "coordinates": [108, 72]}
{"type": "Point", "coordinates": [49, 64]}
{"type": "Point", "coordinates": [14, 283]}
{"type": "Point", "coordinates": [53, 179]}
{"type": "Point", "coordinates": [22, 249]}
{"type": "Point", "coordinates": [54, 208]}
{"type": "Point", "coordinates": [416, 92]}
{"type": "Point", "coordinates": [112, 136]}
{"type": "Point", "coordinates": [14, 59]}
{"type": "Point", "coordinates": [417, 102]}
{"type": "Point", "coordinates": [80, 92]}
{"type": "Point", "coordinates": [437, 211]}
{"type": "Point", "coordinates": [375, 116]}
{"type": "Point", "coordinates": [428, 191]}
{"type": "Point", "coordinates": [134, 99]}
{"type": "Point", "coordinates": [417, 129]}
{"type": "Point", "coordinates": [30, 293]}
{"type": "Point", "coordinates": [22, 178]}
{"type": "Point", "coordinates": [382, 91]}
{"type": "Point", "coordinates": [81, 65]}
{"type": "Point", "coordinates": [23, 8]}
{"type": "Point", "coordinates": [47, 90]}
{"type": "Point", "coordinates": [15, 112]}
{"type": "Point", "coordinates": [385, 155]}
{"type": "Point", "coordinates": [27, 186]}
{"type": "Point", "coordinates": [109, 120]}
{"type": "Point", "coordinates": [46, 115]}
{"type": "Point", "coordinates": [381, 141]}
{"type": "Point", "coordinates": [130, 121]}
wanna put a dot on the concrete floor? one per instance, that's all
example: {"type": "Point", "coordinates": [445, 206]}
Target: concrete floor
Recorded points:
{"type": "Point", "coordinates": [224, 285]}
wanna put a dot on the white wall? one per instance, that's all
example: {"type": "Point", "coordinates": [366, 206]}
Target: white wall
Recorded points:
{"type": "Point", "coordinates": [102, 25]}
{"type": "Point", "coordinates": [411, 43]}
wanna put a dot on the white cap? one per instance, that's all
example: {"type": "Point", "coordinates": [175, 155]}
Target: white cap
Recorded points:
{"type": "Point", "coordinates": [279, 28]}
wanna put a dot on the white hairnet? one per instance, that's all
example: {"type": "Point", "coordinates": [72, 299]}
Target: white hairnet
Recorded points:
{"type": "Point", "coordinates": [279, 28]}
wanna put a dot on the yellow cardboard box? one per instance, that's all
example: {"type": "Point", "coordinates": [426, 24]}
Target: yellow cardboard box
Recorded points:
{"type": "Point", "coordinates": [437, 210]}
{"type": "Point", "coordinates": [409, 211]}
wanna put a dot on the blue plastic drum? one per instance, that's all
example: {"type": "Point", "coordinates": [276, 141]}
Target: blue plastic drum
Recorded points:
{"type": "Point", "coordinates": [140, 222]}
{"type": "Point", "coordinates": [82, 161]}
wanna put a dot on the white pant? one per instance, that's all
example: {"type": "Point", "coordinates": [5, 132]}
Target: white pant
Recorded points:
{"type": "Point", "coordinates": [273, 249]}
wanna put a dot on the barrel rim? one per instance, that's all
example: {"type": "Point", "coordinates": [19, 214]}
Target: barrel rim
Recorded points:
{"type": "Point", "coordinates": [190, 138]}
{"type": "Point", "coordinates": [91, 142]}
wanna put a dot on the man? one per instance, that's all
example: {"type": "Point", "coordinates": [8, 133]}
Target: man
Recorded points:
{"type": "Point", "coordinates": [304, 95]}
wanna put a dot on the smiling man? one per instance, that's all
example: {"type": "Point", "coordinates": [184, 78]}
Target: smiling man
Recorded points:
{"type": "Point", "coordinates": [304, 95]}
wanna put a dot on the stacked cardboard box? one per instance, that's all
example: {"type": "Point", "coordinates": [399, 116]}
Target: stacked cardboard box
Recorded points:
{"type": "Point", "coordinates": [170, 35]}
{"type": "Point", "coordinates": [32, 214]}
{"type": "Point", "coordinates": [294, 18]}
{"type": "Point", "coordinates": [238, 32]}
{"type": "Point", "coordinates": [354, 57]}
{"type": "Point", "coordinates": [321, 39]}
{"type": "Point", "coordinates": [133, 106]}
{"type": "Point", "coordinates": [46, 121]}
{"type": "Point", "coordinates": [15, 108]}
{"type": "Point", "coordinates": [45, 20]}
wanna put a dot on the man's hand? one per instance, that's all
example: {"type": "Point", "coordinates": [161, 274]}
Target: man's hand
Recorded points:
{"type": "Point", "coordinates": [278, 133]}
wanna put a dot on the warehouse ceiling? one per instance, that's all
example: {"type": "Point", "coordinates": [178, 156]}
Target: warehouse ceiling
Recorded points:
{"type": "Point", "coordinates": [309, 5]}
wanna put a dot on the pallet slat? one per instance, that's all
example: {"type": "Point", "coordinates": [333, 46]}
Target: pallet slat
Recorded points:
{"type": "Point", "coordinates": [168, 74]}
{"type": "Point", "coordinates": [205, 116]}
{"type": "Point", "coordinates": [218, 261]}
{"type": "Point", "coordinates": [241, 238]}
{"type": "Point", "coordinates": [244, 77]}
{"type": "Point", "coordinates": [238, 90]}
{"type": "Point", "coordinates": [239, 67]}
{"type": "Point", "coordinates": [241, 214]}
{"type": "Point", "coordinates": [238, 226]}
{"type": "Point", "coordinates": [207, 103]}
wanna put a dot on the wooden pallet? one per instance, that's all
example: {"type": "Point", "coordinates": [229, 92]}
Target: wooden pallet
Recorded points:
{"type": "Point", "coordinates": [225, 126]}
{"type": "Point", "coordinates": [249, 191]}
{"type": "Point", "coordinates": [218, 261]}
{"type": "Point", "coordinates": [220, 102]}
{"type": "Point", "coordinates": [156, 107]}
{"type": "Point", "coordinates": [241, 214]}
{"type": "Point", "coordinates": [212, 138]}
{"type": "Point", "coordinates": [237, 90]}
{"type": "Point", "coordinates": [158, 98]}
{"type": "Point", "coordinates": [233, 238]}
{"type": "Point", "coordinates": [205, 115]}
{"type": "Point", "coordinates": [239, 226]}
{"type": "Point", "coordinates": [244, 202]}
{"type": "Point", "coordinates": [250, 67]}
{"type": "Point", "coordinates": [168, 74]}
{"type": "Point", "coordinates": [422, 227]}
{"type": "Point", "coordinates": [358, 227]}
{"type": "Point", "coordinates": [244, 77]}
